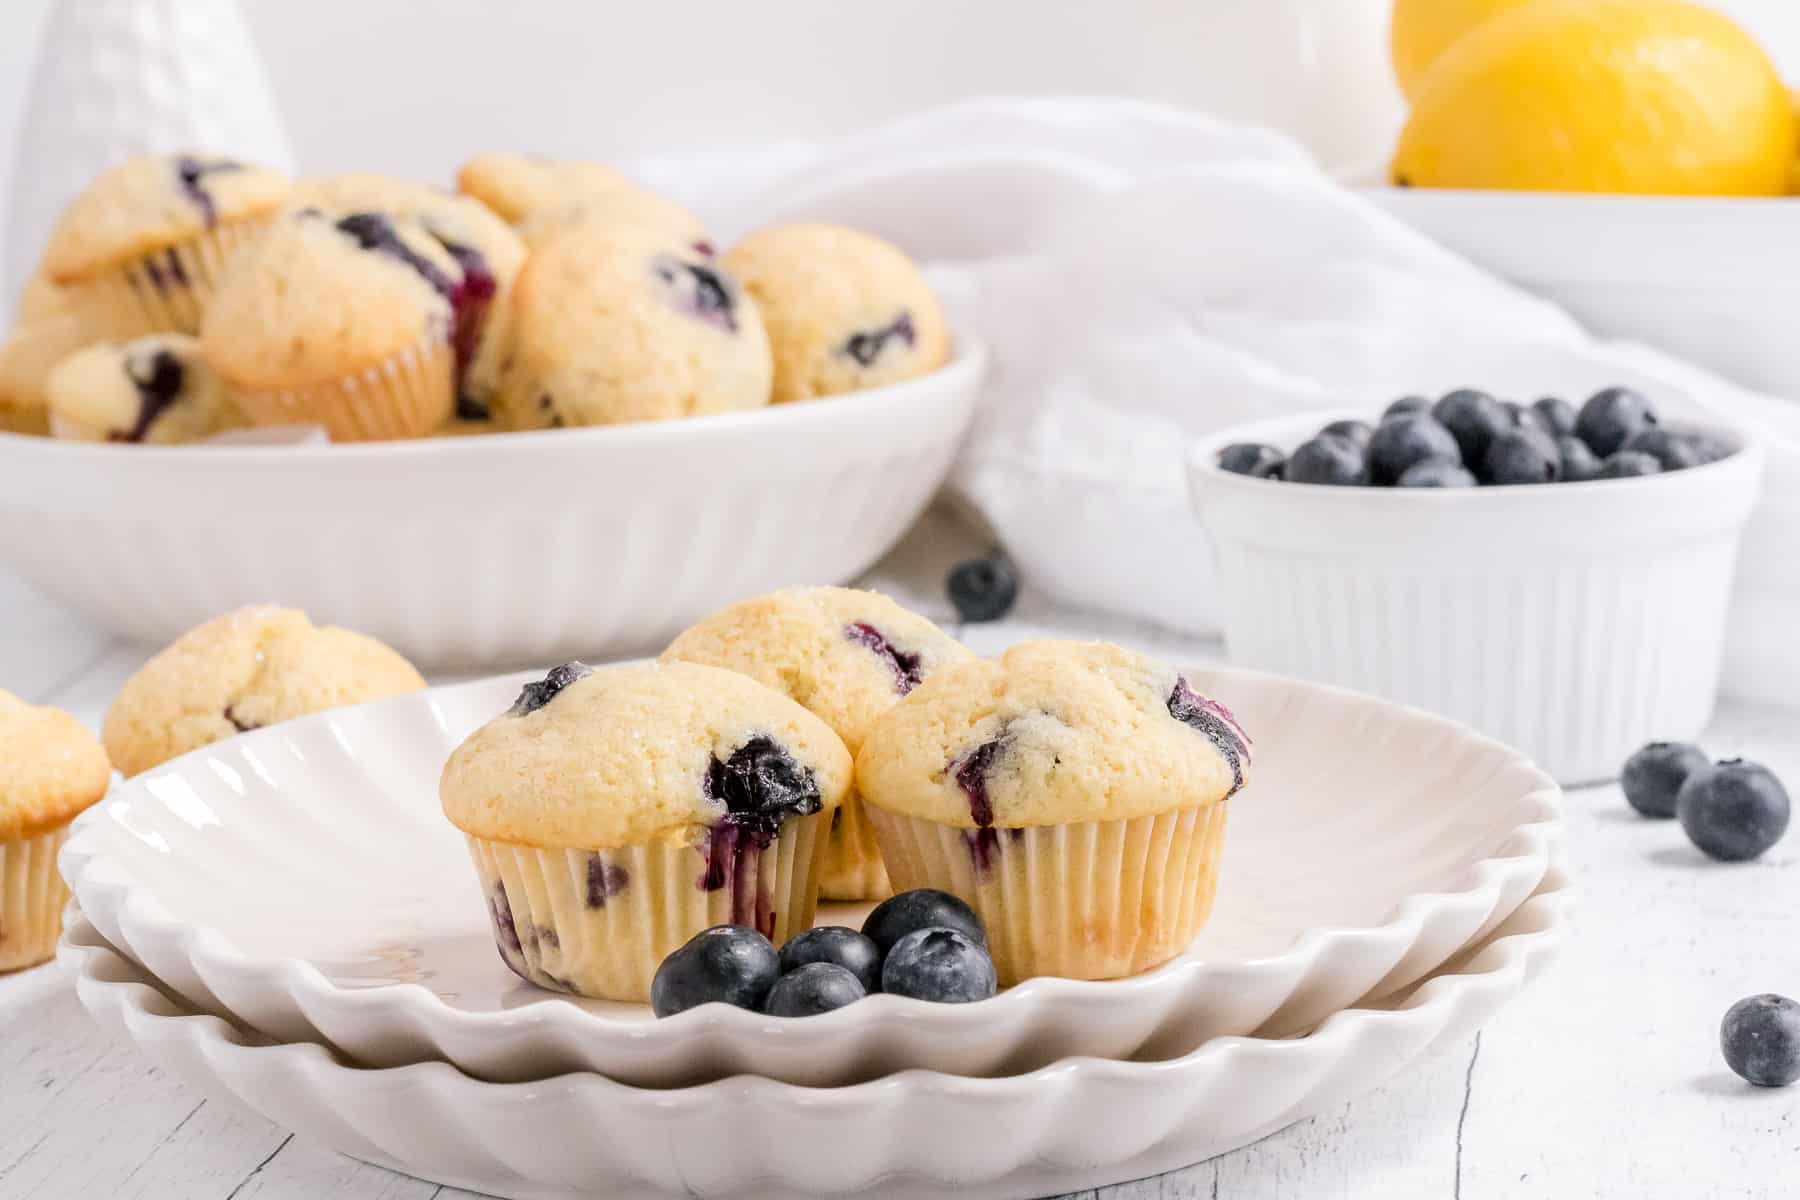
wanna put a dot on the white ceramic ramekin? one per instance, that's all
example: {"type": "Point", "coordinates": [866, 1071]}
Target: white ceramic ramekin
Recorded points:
{"type": "Point", "coordinates": [1574, 621]}
{"type": "Point", "coordinates": [500, 550]}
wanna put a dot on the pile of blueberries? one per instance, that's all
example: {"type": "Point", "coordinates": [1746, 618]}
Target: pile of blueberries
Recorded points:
{"type": "Point", "coordinates": [1733, 811]}
{"type": "Point", "coordinates": [925, 944]}
{"type": "Point", "coordinates": [1470, 438]}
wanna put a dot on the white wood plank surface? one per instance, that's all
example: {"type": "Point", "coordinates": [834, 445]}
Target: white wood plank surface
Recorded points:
{"type": "Point", "coordinates": [1604, 1080]}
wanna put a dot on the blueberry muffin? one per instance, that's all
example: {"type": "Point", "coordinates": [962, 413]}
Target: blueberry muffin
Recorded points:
{"type": "Point", "coordinates": [847, 656]}
{"type": "Point", "coordinates": [152, 389]}
{"type": "Point", "coordinates": [487, 251]}
{"type": "Point", "coordinates": [54, 770]}
{"type": "Point", "coordinates": [517, 185]}
{"type": "Point", "coordinates": [612, 324]}
{"type": "Point", "coordinates": [614, 814]}
{"type": "Point", "coordinates": [247, 669]}
{"type": "Point", "coordinates": [1072, 793]}
{"type": "Point", "coordinates": [142, 249]}
{"type": "Point", "coordinates": [844, 310]}
{"type": "Point", "coordinates": [48, 330]}
{"type": "Point", "coordinates": [346, 321]}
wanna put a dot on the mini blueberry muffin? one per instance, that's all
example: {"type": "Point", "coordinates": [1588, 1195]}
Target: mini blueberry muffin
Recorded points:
{"type": "Point", "coordinates": [47, 332]}
{"type": "Point", "coordinates": [517, 185]}
{"type": "Point", "coordinates": [153, 389]}
{"type": "Point", "coordinates": [1072, 793]}
{"type": "Point", "coordinates": [847, 656]}
{"type": "Point", "coordinates": [142, 249]}
{"type": "Point", "coordinates": [247, 669]}
{"type": "Point", "coordinates": [614, 814]}
{"type": "Point", "coordinates": [54, 770]}
{"type": "Point", "coordinates": [611, 324]}
{"type": "Point", "coordinates": [485, 248]}
{"type": "Point", "coordinates": [844, 309]}
{"type": "Point", "coordinates": [346, 321]}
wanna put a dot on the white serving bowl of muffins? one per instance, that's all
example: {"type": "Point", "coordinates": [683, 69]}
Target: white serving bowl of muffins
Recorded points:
{"type": "Point", "coordinates": [659, 428]}
{"type": "Point", "coordinates": [1575, 619]}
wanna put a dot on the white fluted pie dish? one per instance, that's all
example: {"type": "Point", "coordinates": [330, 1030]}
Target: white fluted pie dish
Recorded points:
{"type": "Point", "coordinates": [1080, 1123]}
{"type": "Point", "coordinates": [302, 881]}
{"type": "Point", "coordinates": [497, 550]}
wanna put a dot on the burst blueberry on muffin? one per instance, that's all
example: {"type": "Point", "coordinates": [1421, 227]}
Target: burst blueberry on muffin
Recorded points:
{"type": "Point", "coordinates": [247, 669]}
{"type": "Point", "coordinates": [847, 656]}
{"type": "Point", "coordinates": [1072, 793]}
{"type": "Point", "coordinates": [845, 310]}
{"type": "Point", "coordinates": [612, 324]}
{"type": "Point", "coordinates": [614, 814]}
{"type": "Point", "coordinates": [517, 185]}
{"type": "Point", "coordinates": [347, 321]}
{"type": "Point", "coordinates": [152, 389]}
{"type": "Point", "coordinates": [143, 247]}
{"type": "Point", "coordinates": [54, 770]}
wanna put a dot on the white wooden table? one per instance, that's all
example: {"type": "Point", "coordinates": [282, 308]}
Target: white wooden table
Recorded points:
{"type": "Point", "coordinates": [1603, 1080]}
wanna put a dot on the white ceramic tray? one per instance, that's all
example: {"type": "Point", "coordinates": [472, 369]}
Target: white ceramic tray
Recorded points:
{"type": "Point", "coordinates": [1080, 1123]}
{"type": "Point", "coordinates": [499, 550]}
{"type": "Point", "coordinates": [302, 881]}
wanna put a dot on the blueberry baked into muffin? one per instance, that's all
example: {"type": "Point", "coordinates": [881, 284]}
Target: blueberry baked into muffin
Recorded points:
{"type": "Point", "coordinates": [844, 309]}
{"type": "Point", "coordinates": [247, 669]}
{"type": "Point", "coordinates": [614, 814]}
{"type": "Point", "coordinates": [615, 324]}
{"type": "Point", "coordinates": [847, 656]}
{"type": "Point", "coordinates": [152, 389]}
{"type": "Point", "coordinates": [1073, 794]}
{"type": "Point", "coordinates": [54, 769]}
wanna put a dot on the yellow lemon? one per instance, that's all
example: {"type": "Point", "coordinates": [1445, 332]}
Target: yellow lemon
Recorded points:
{"type": "Point", "coordinates": [1636, 96]}
{"type": "Point", "coordinates": [1423, 29]}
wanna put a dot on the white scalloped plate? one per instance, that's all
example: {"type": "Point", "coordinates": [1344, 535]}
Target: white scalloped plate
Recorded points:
{"type": "Point", "coordinates": [1080, 1123]}
{"type": "Point", "coordinates": [302, 881]}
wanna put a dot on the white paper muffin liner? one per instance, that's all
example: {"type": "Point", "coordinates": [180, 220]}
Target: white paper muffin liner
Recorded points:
{"type": "Point", "coordinates": [599, 922]}
{"type": "Point", "coordinates": [165, 291]}
{"type": "Point", "coordinates": [32, 896]}
{"type": "Point", "coordinates": [1085, 900]}
{"type": "Point", "coordinates": [409, 395]}
{"type": "Point", "coordinates": [853, 866]}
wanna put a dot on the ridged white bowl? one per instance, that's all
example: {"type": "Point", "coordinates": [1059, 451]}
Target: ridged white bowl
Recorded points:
{"type": "Point", "coordinates": [487, 551]}
{"type": "Point", "coordinates": [1575, 621]}
{"type": "Point", "coordinates": [301, 880]}
{"type": "Point", "coordinates": [1080, 1123]}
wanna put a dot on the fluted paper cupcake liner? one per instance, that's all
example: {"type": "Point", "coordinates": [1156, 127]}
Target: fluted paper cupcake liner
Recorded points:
{"type": "Point", "coordinates": [409, 395]}
{"type": "Point", "coordinates": [32, 896]}
{"type": "Point", "coordinates": [1086, 900]}
{"type": "Point", "coordinates": [599, 922]}
{"type": "Point", "coordinates": [167, 291]}
{"type": "Point", "coordinates": [853, 866]}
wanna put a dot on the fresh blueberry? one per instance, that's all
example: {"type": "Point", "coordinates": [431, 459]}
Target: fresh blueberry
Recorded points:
{"type": "Point", "coordinates": [1357, 431]}
{"type": "Point", "coordinates": [727, 963]}
{"type": "Point", "coordinates": [983, 589]}
{"type": "Point", "coordinates": [1733, 811]}
{"type": "Point", "coordinates": [1522, 456]}
{"type": "Point", "coordinates": [1474, 419]}
{"type": "Point", "coordinates": [1406, 406]}
{"type": "Point", "coordinates": [1529, 418]}
{"type": "Point", "coordinates": [1652, 777]}
{"type": "Point", "coordinates": [855, 952]}
{"type": "Point", "coordinates": [1578, 462]}
{"type": "Point", "coordinates": [1610, 418]}
{"type": "Point", "coordinates": [1436, 473]}
{"type": "Point", "coordinates": [813, 989]}
{"type": "Point", "coordinates": [1406, 441]}
{"type": "Point", "coordinates": [1628, 464]}
{"type": "Point", "coordinates": [1675, 451]}
{"type": "Point", "coordinates": [761, 784]}
{"type": "Point", "coordinates": [1331, 460]}
{"type": "Point", "coordinates": [922, 908]}
{"type": "Point", "coordinates": [1761, 1040]}
{"type": "Point", "coordinates": [1251, 458]}
{"type": "Point", "coordinates": [1558, 413]}
{"type": "Point", "coordinates": [940, 965]}
{"type": "Point", "coordinates": [535, 695]}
